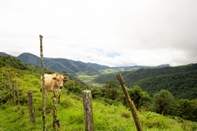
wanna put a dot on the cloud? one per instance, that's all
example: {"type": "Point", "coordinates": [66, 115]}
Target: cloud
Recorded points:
{"type": "Point", "coordinates": [115, 33]}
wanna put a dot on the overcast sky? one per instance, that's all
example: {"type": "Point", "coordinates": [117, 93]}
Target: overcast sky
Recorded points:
{"type": "Point", "coordinates": [107, 32]}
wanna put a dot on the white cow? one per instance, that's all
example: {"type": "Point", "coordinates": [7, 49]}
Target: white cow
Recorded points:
{"type": "Point", "coordinates": [54, 83]}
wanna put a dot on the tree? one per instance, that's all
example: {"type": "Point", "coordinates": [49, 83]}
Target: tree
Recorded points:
{"type": "Point", "coordinates": [96, 92]}
{"type": "Point", "coordinates": [187, 109]}
{"type": "Point", "coordinates": [74, 86]}
{"type": "Point", "coordinates": [139, 97]}
{"type": "Point", "coordinates": [111, 90]}
{"type": "Point", "coordinates": [163, 102]}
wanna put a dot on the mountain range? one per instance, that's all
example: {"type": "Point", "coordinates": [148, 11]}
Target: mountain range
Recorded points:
{"type": "Point", "coordinates": [71, 66]}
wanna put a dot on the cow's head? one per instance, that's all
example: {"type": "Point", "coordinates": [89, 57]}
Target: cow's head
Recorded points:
{"type": "Point", "coordinates": [60, 80]}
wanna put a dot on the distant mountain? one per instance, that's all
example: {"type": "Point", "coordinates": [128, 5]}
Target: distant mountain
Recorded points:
{"type": "Point", "coordinates": [97, 66]}
{"type": "Point", "coordinates": [4, 54]}
{"type": "Point", "coordinates": [29, 58]}
{"type": "Point", "coordinates": [60, 64]}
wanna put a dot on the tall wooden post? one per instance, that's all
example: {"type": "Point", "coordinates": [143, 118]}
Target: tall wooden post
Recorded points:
{"type": "Point", "coordinates": [88, 114]}
{"type": "Point", "coordinates": [13, 94]}
{"type": "Point", "coordinates": [31, 108]}
{"type": "Point", "coordinates": [43, 88]}
{"type": "Point", "coordinates": [11, 87]}
{"type": "Point", "coordinates": [130, 102]}
{"type": "Point", "coordinates": [55, 121]}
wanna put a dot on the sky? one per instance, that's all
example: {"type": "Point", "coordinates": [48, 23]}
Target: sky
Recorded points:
{"type": "Point", "coordinates": [106, 32]}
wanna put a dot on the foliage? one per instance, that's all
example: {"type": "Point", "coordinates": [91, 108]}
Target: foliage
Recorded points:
{"type": "Point", "coordinates": [8, 61]}
{"type": "Point", "coordinates": [181, 85]}
{"type": "Point", "coordinates": [74, 86]}
{"type": "Point", "coordinates": [180, 80]}
{"type": "Point", "coordinates": [163, 102]}
{"type": "Point", "coordinates": [97, 92]}
{"type": "Point", "coordinates": [187, 109]}
{"type": "Point", "coordinates": [139, 97]}
{"type": "Point", "coordinates": [112, 91]}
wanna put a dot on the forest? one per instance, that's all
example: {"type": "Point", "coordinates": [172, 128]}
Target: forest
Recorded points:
{"type": "Point", "coordinates": [179, 81]}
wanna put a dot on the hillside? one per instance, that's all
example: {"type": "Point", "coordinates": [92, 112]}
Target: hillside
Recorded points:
{"type": "Point", "coordinates": [181, 85]}
{"type": "Point", "coordinates": [13, 62]}
{"type": "Point", "coordinates": [180, 80]}
{"type": "Point", "coordinates": [60, 64]}
{"type": "Point", "coordinates": [114, 117]}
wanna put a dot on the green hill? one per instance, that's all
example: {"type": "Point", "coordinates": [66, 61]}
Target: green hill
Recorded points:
{"type": "Point", "coordinates": [60, 64]}
{"type": "Point", "coordinates": [180, 80]}
{"type": "Point", "coordinates": [181, 85]}
{"type": "Point", "coordinates": [70, 110]}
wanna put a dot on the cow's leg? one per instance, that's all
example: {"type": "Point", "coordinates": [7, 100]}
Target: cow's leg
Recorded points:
{"type": "Point", "coordinates": [54, 96]}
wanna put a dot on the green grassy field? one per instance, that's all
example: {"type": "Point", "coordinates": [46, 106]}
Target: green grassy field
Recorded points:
{"type": "Point", "coordinates": [89, 80]}
{"type": "Point", "coordinates": [70, 111]}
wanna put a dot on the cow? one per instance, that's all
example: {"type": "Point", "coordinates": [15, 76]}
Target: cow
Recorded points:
{"type": "Point", "coordinates": [54, 82]}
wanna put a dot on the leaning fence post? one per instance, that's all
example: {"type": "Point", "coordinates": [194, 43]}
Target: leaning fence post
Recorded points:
{"type": "Point", "coordinates": [130, 102]}
{"type": "Point", "coordinates": [88, 114]}
{"type": "Point", "coordinates": [31, 108]}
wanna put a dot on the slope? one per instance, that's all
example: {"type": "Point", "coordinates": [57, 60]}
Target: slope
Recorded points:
{"type": "Point", "coordinates": [60, 64]}
{"type": "Point", "coordinates": [180, 80]}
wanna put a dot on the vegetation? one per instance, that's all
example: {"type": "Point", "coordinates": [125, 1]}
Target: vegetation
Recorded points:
{"type": "Point", "coordinates": [139, 97]}
{"type": "Point", "coordinates": [70, 110]}
{"type": "Point", "coordinates": [109, 106]}
{"type": "Point", "coordinates": [163, 101]}
{"type": "Point", "coordinates": [181, 85]}
{"type": "Point", "coordinates": [180, 81]}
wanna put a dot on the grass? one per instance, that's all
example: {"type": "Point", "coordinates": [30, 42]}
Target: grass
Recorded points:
{"type": "Point", "coordinates": [89, 80]}
{"type": "Point", "coordinates": [70, 113]}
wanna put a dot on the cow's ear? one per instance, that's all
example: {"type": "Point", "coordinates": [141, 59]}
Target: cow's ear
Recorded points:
{"type": "Point", "coordinates": [65, 77]}
{"type": "Point", "coordinates": [54, 78]}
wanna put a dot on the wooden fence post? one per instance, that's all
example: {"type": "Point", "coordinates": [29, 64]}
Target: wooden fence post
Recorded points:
{"type": "Point", "coordinates": [130, 102]}
{"type": "Point", "coordinates": [88, 114]}
{"type": "Point", "coordinates": [43, 88]}
{"type": "Point", "coordinates": [55, 121]}
{"type": "Point", "coordinates": [17, 90]}
{"type": "Point", "coordinates": [31, 108]}
{"type": "Point", "coordinates": [11, 87]}
{"type": "Point", "coordinates": [13, 93]}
